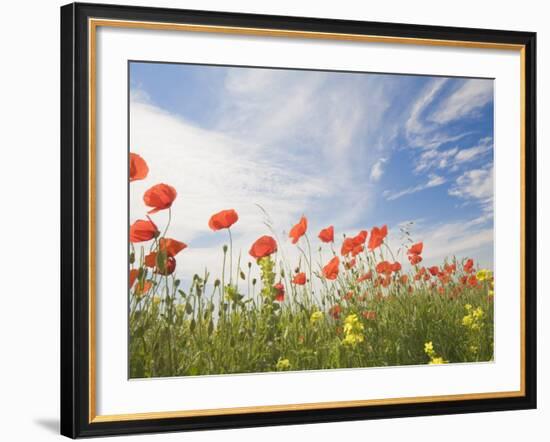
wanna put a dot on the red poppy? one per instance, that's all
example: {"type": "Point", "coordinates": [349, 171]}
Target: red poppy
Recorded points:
{"type": "Point", "coordinates": [364, 277]}
{"type": "Point", "coordinates": [279, 292]}
{"type": "Point", "coordinates": [450, 268]}
{"type": "Point", "coordinates": [404, 279]}
{"type": "Point", "coordinates": [171, 246]}
{"type": "Point", "coordinates": [223, 220]}
{"type": "Point", "coordinates": [138, 167]}
{"type": "Point", "coordinates": [386, 281]}
{"type": "Point", "coordinates": [347, 246]}
{"type": "Point", "coordinates": [159, 197]}
{"type": "Point", "coordinates": [143, 230]}
{"type": "Point", "coordinates": [416, 249]}
{"type": "Point", "coordinates": [377, 236]}
{"type": "Point", "coordinates": [463, 280]}
{"type": "Point", "coordinates": [150, 260]}
{"type": "Point", "coordinates": [299, 279]}
{"type": "Point", "coordinates": [369, 314]}
{"type": "Point", "coordinates": [396, 266]}
{"type": "Point", "coordinates": [298, 230]}
{"type": "Point", "coordinates": [469, 266]}
{"type": "Point", "coordinates": [335, 311]}
{"type": "Point", "coordinates": [133, 276]}
{"type": "Point", "coordinates": [434, 270]}
{"type": "Point", "coordinates": [384, 267]}
{"type": "Point", "coordinates": [327, 235]}
{"type": "Point", "coordinates": [264, 246]}
{"type": "Point", "coordinates": [415, 259]}
{"type": "Point", "coordinates": [472, 281]}
{"type": "Point", "coordinates": [354, 244]}
{"type": "Point", "coordinates": [331, 269]}
{"type": "Point", "coordinates": [348, 295]}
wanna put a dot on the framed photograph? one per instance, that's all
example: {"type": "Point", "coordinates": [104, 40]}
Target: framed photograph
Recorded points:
{"type": "Point", "coordinates": [274, 220]}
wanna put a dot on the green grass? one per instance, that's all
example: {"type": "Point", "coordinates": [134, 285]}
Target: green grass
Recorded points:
{"type": "Point", "coordinates": [204, 331]}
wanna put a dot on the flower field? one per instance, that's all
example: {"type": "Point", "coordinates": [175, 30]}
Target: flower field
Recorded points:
{"type": "Point", "coordinates": [358, 308]}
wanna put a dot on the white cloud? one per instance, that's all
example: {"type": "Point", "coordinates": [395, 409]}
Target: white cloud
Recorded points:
{"type": "Point", "coordinates": [453, 158]}
{"type": "Point", "coordinates": [414, 124]}
{"type": "Point", "coordinates": [434, 181]}
{"type": "Point", "coordinates": [434, 159]}
{"type": "Point", "coordinates": [425, 127]}
{"type": "Point", "coordinates": [377, 170]}
{"type": "Point", "coordinates": [464, 155]}
{"type": "Point", "coordinates": [476, 184]}
{"type": "Point", "coordinates": [471, 96]}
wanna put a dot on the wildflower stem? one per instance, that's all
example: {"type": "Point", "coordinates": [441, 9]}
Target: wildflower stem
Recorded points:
{"type": "Point", "coordinates": [230, 256]}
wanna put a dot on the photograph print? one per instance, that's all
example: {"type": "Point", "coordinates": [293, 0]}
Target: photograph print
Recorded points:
{"type": "Point", "coordinates": [287, 220]}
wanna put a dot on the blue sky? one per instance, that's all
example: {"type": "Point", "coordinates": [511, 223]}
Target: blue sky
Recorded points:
{"type": "Point", "coordinates": [354, 150]}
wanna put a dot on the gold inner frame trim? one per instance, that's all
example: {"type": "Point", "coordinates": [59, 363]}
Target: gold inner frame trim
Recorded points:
{"type": "Point", "coordinates": [93, 24]}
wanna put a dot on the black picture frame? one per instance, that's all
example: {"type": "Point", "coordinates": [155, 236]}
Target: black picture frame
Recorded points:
{"type": "Point", "coordinates": [75, 220]}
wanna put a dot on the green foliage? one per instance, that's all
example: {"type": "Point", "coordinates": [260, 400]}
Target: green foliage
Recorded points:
{"type": "Point", "coordinates": [171, 337]}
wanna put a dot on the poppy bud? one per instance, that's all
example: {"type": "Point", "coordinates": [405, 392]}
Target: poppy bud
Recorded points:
{"type": "Point", "coordinates": [243, 277]}
{"type": "Point", "coordinates": [224, 248]}
{"type": "Point", "coordinates": [217, 283]}
{"type": "Point", "coordinates": [254, 281]}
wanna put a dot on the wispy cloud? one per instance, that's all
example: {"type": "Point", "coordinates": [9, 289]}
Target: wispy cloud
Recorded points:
{"type": "Point", "coordinates": [453, 158]}
{"type": "Point", "coordinates": [377, 170]}
{"type": "Point", "coordinates": [484, 146]}
{"type": "Point", "coordinates": [476, 186]}
{"type": "Point", "coordinates": [415, 124]}
{"type": "Point", "coordinates": [472, 95]}
{"type": "Point", "coordinates": [437, 106]}
{"type": "Point", "coordinates": [434, 181]}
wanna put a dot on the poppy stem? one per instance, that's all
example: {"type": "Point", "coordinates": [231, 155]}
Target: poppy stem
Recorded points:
{"type": "Point", "coordinates": [169, 221]}
{"type": "Point", "coordinates": [310, 265]}
{"type": "Point", "coordinates": [230, 256]}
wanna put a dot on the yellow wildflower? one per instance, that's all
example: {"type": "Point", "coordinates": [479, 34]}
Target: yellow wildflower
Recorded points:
{"type": "Point", "coordinates": [316, 316]}
{"type": "Point", "coordinates": [483, 274]}
{"type": "Point", "coordinates": [434, 359]}
{"type": "Point", "coordinates": [473, 319]}
{"type": "Point", "coordinates": [156, 300]}
{"type": "Point", "coordinates": [283, 364]}
{"type": "Point", "coordinates": [352, 339]}
{"type": "Point", "coordinates": [353, 330]}
{"type": "Point", "coordinates": [352, 324]}
{"type": "Point", "coordinates": [429, 348]}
